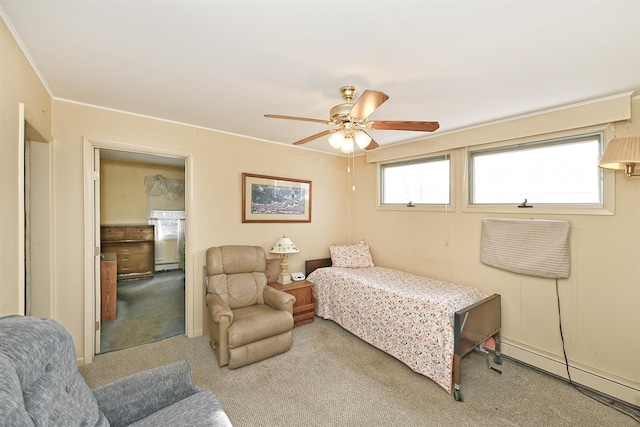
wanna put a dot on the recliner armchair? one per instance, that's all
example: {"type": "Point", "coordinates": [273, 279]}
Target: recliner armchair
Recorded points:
{"type": "Point", "coordinates": [248, 320]}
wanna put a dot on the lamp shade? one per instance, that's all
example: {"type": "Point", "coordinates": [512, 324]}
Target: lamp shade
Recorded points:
{"type": "Point", "coordinates": [362, 139]}
{"type": "Point", "coordinates": [336, 139]}
{"type": "Point", "coordinates": [284, 245]}
{"type": "Point", "coordinates": [347, 145]}
{"type": "Point", "coordinates": [621, 153]}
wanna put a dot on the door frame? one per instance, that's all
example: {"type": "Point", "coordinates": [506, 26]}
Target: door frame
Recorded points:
{"type": "Point", "coordinates": [44, 286]}
{"type": "Point", "coordinates": [21, 214]}
{"type": "Point", "coordinates": [92, 219]}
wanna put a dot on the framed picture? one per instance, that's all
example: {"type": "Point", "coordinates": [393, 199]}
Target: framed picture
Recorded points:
{"type": "Point", "coordinates": [275, 199]}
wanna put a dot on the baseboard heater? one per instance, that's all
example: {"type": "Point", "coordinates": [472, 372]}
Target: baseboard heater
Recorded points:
{"type": "Point", "coordinates": [625, 394]}
{"type": "Point", "coordinates": [166, 267]}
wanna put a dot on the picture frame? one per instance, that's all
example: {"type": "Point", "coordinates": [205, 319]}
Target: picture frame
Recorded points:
{"type": "Point", "coordinates": [275, 199]}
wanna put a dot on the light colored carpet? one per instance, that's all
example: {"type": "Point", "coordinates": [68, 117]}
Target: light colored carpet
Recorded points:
{"type": "Point", "coordinates": [147, 310]}
{"type": "Point", "coordinates": [332, 378]}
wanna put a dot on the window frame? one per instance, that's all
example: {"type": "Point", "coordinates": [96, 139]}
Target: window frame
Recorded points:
{"type": "Point", "coordinates": [435, 207]}
{"type": "Point", "coordinates": [607, 180]}
{"type": "Point", "coordinates": [161, 235]}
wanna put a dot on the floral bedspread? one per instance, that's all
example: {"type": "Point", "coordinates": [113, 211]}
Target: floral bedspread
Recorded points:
{"type": "Point", "coordinates": [409, 317]}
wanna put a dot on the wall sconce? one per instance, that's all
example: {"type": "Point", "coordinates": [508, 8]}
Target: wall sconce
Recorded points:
{"type": "Point", "coordinates": [622, 153]}
{"type": "Point", "coordinates": [284, 246]}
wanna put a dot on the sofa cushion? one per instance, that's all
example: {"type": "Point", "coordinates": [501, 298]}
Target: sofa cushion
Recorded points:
{"type": "Point", "coordinates": [39, 355]}
{"type": "Point", "coordinates": [257, 322]}
{"type": "Point", "coordinates": [134, 397]}
{"type": "Point", "coordinates": [201, 409]}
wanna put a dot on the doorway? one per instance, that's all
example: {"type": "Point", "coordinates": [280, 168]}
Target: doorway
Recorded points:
{"type": "Point", "coordinates": [38, 208]}
{"type": "Point", "coordinates": [142, 218]}
{"type": "Point", "coordinates": [94, 151]}
{"type": "Point", "coordinates": [35, 222]}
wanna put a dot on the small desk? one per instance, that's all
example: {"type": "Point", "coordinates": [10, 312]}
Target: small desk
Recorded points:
{"type": "Point", "coordinates": [108, 286]}
{"type": "Point", "coordinates": [304, 310]}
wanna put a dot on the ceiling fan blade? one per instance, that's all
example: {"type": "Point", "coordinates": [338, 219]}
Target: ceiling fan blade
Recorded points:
{"type": "Point", "coordinates": [303, 119]}
{"type": "Point", "coordinates": [316, 136]}
{"type": "Point", "coordinates": [372, 145]}
{"type": "Point", "coordinates": [367, 104]}
{"type": "Point", "coordinates": [403, 125]}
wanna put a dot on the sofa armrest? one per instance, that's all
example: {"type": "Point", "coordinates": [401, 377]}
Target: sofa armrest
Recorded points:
{"type": "Point", "coordinates": [278, 300]}
{"type": "Point", "coordinates": [136, 396]}
{"type": "Point", "coordinates": [218, 308]}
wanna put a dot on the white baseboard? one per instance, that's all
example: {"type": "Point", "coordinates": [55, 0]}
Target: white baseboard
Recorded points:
{"type": "Point", "coordinates": [618, 388]}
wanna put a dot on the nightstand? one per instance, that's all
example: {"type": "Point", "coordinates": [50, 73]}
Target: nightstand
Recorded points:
{"type": "Point", "coordinates": [304, 310]}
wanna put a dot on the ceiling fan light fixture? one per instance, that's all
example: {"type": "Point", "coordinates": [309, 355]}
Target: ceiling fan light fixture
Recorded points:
{"type": "Point", "coordinates": [336, 139]}
{"type": "Point", "coordinates": [347, 145]}
{"type": "Point", "coordinates": [362, 139]}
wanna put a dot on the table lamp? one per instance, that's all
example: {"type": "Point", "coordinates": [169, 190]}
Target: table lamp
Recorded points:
{"type": "Point", "coordinates": [284, 246]}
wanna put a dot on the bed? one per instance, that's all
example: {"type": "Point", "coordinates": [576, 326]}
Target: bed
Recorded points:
{"type": "Point", "coordinates": [427, 324]}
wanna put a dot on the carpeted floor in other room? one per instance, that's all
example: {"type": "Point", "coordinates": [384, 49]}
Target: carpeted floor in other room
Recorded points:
{"type": "Point", "coordinates": [147, 310]}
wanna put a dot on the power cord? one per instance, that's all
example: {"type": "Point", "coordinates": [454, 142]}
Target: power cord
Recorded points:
{"type": "Point", "coordinates": [564, 351]}
{"type": "Point", "coordinates": [566, 363]}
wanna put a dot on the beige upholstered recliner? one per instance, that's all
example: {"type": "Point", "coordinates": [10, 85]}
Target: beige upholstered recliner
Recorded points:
{"type": "Point", "coordinates": [248, 320]}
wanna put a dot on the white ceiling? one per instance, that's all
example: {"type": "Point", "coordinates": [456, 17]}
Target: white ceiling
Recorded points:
{"type": "Point", "coordinates": [224, 64]}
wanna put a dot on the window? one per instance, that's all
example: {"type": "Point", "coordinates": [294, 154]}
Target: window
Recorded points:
{"type": "Point", "coordinates": [167, 223]}
{"type": "Point", "coordinates": [562, 171]}
{"type": "Point", "coordinates": [425, 181]}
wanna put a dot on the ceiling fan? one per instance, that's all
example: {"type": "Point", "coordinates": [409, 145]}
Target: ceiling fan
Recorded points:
{"type": "Point", "coordinates": [351, 119]}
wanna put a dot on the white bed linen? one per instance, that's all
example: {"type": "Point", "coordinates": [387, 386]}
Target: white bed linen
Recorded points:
{"type": "Point", "coordinates": [409, 317]}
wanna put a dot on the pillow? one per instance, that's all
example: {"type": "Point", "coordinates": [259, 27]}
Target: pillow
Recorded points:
{"type": "Point", "coordinates": [353, 256]}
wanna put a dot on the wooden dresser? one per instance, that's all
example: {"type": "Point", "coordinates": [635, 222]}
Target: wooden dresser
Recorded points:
{"type": "Point", "coordinates": [134, 247]}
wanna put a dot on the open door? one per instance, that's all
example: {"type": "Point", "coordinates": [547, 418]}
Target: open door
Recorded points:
{"type": "Point", "coordinates": [22, 283]}
{"type": "Point", "coordinates": [38, 226]}
{"type": "Point", "coordinates": [96, 244]}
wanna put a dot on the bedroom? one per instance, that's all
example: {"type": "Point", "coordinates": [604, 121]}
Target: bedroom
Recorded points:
{"type": "Point", "coordinates": [600, 298]}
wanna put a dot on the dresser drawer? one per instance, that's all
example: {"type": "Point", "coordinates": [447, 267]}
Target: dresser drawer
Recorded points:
{"type": "Point", "coordinates": [134, 264]}
{"type": "Point", "coordinates": [112, 233]}
{"type": "Point", "coordinates": [131, 258]}
{"type": "Point", "coordinates": [125, 249]}
{"type": "Point", "coordinates": [139, 233]}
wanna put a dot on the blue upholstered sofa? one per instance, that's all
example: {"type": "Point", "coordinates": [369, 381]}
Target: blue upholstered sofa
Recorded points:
{"type": "Point", "coordinates": [40, 385]}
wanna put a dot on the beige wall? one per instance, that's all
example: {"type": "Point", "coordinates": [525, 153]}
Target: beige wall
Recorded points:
{"type": "Point", "coordinates": [18, 84]}
{"type": "Point", "coordinates": [599, 300]}
{"type": "Point", "coordinates": [123, 192]}
{"type": "Point", "coordinates": [123, 196]}
{"type": "Point", "coordinates": [215, 217]}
